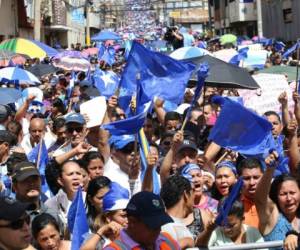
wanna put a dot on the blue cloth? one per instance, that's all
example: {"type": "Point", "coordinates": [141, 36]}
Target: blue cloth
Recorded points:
{"type": "Point", "coordinates": [41, 163]}
{"type": "Point", "coordinates": [279, 231]}
{"type": "Point", "coordinates": [109, 55]}
{"type": "Point", "coordinates": [279, 46]}
{"type": "Point", "coordinates": [77, 221]}
{"type": "Point", "coordinates": [115, 194]}
{"type": "Point", "coordinates": [240, 129]}
{"type": "Point", "coordinates": [291, 50]}
{"type": "Point", "coordinates": [106, 82]}
{"type": "Point", "coordinates": [227, 164]}
{"type": "Point", "coordinates": [242, 54]}
{"type": "Point", "coordinates": [159, 74]}
{"type": "Point", "coordinates": [128, 126]}
{"type": "Point", "coordinates": [187, 168]}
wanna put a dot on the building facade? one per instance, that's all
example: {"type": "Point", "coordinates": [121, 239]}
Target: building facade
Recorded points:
{"type": "Point", "coordinates": [281, 19]}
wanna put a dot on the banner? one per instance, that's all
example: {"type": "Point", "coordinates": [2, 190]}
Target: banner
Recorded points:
{"type": "Point", "coordinates": [266, 98]}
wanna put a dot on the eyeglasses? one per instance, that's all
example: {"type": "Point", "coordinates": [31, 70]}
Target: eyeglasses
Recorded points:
{"type": "Point", "coordinates": [77, 129]}
{"type": "Point", "coordinates": [17, 224]}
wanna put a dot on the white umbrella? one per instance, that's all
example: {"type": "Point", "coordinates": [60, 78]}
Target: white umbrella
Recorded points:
{"type": "Point", "coordinates": [188, 52]}
{"type": "Point", "coordinates": [18, 76]}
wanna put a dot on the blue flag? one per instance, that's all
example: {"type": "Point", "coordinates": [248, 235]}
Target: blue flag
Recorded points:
{"type": "Point", "coordinates": [71, 85]}
{"type": "Point", "coordinates": [240, 129]}
{"type": "Point", "coordinates": [291, 50]}
{"type": "Point", "coordinates": [279, 46]}
{"type": "Point", "coordinates": [159, 74]}
{"type": "Point", "coordinates": [109, 55]}
{"type": "Point", "coordinates": [106, 82]}
{"type": "Point", "coordinates": [39, 156]}
{"type": "Point", "coordinates": [201, 74]}
{"type": "Point", "coordinates": [130, 125]}
{"type": "Point", "coordinates": [242, 54]}
{"type": "Point", "coordinates": [101, 48]}
{"type": "Point", "coordinates": [127, 48]}
{"type": "Point", "coordinates": [77, 221]}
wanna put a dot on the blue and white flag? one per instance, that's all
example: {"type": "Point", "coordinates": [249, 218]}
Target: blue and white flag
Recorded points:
{"type": "Point", "coordinates": [106, 82]}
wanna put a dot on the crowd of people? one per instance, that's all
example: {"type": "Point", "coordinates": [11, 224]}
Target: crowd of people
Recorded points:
{"type": "Point", "coordinates": [125, 208]}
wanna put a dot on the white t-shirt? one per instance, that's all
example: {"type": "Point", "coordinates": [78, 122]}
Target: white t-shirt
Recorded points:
{"type": "Point", "coordinates": [113, 171]}
{"type": "Point", "coordinates": [218, 238]}
{"type": "Point", "coordinates": [177, 229]}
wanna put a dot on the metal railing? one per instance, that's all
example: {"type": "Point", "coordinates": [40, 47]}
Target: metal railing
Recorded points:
{"type": "Point", "coordinates": [246, 246]}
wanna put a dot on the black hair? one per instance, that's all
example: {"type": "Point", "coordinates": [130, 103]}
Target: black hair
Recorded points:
{"type": "Point", "coordinates": [172, 115]}
{"type": "Point", "coordinates": [13, 159]}
{"type": "Point", "coordinates": [173, 189]}
{"type": "Point", "coordinates": [236, 209]}
{"type": "Point", "coordinates": [275, 187]}
{"type": "Point", "coordinates": [14, 127]}
{"type": "Point", "coordinates": [94, 186]}
{"type": "Point", "coordinates": [58, 103]}
{"type": "Point", "coordinates": [61, 169]}
{"type": "Point", "coordinates": [91, 155]}
{"type": "Point", "coordinates": [52, 172]}
{"type": "Point", "coordinates": [249, 163]}
{"type": "Point", "coordinates": [58, 123]}
{"type": "Point", "coordinates": [41, 221]}
{"type": "Point", "coordinates": [269, 113]}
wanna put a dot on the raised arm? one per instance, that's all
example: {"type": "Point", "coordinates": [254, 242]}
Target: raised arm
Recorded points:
{"type": "Point", "coordinates": [296, 99]}
{"type": "Point", "coordinates": [103, 145]}
{"type": "Point", "coordinates": [293, 150]}
{"type": "Point", "coordinates": [267, 210]}
{"type": "Point", "coordinates": [283, 100]}
{"type": "Point", "coordinates": [168, 160]}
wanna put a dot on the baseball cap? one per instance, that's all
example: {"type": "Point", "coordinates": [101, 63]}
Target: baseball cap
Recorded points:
{"type": "Point", "coordinates": [11, 209]}
{"type": "Point", "coordinates": [6, 136]}
{"type": "Point", "coordinates": [120, 141]}
{"type": "Point", "coordinates": [23, 170]}
{"type": "Point", "coordinates": [187, 144]}
{"type": "Point", "coordinates": [75, 117]}
{"type": "Point", "coordinates": [150, 208]}
{"type": "Point", "coordinates": [4, 113]}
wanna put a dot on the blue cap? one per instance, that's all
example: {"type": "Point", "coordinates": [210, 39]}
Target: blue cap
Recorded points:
{"type": "Point", "coordinates": [116, 198]}
{"type": "Point", "coordinates": [85, 83]}
{"type": "Point", "coordinates": [120, 141]}
{"type": "Point", "coordinates": [75, 117]}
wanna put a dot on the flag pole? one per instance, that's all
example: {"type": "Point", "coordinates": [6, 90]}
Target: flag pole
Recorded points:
{"type": "Point", "coordinates": [39, 153]}
{"type": "Point", "coordinates": [297, 69]}
{"type": "Point", "coordinates": [221, 158]}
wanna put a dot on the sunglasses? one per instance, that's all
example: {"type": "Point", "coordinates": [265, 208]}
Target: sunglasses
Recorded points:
{"type": "Point", "coordinates": [77, 129]}
{"type": "Point", "coordinates": [128, 149]}
{"type": "Point", "coordinates": [17, 224]}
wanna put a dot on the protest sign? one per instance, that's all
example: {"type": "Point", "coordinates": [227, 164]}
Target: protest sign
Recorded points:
{"type": "Point", "coordinates": [266, 98]}
{"type": "Point", "coordinates": [94, 111]}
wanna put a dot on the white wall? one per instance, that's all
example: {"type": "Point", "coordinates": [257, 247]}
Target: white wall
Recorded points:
{"type": "Point", "coordinates": [8, 18]}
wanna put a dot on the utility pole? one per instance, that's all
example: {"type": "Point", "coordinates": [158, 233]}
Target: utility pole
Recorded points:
{"type": "Point", "coordinates": [88, 37]}
{"type": "Point", "coordinates": [259, 19]}
{"type": "Point", "coordinates": [37, 20]}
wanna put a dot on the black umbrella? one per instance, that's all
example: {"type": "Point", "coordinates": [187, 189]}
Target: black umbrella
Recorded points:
{"type": "Point", "coordinates": [40, 70]}
{"type": "Point", "coordinates": [224, 75]}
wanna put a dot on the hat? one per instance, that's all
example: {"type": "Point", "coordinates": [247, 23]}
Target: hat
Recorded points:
{"type": "Point", "coordinates": [116, 198]}
{"type": "Point", "coordinates": [120, 141]}
{"type": "Point", "coordinates": [150, 208]}
{"type": "Point", "coordinates": [85, 83]}
{"type": "Point", "coordinates": [187, 144]}
{"type": "Point", "coordinates": [11, 209]}
{"type": "Point", "coordinates": [6, 136]}
{"type": "Point", "coordinates": [75, 117]}
{"type": "Point", "coordinates": [4, 113]}
{"type": "Point", "coordinates": [23, 170]}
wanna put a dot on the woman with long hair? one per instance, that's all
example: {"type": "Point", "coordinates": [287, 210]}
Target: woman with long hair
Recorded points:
{"type": "Point", "coordinates": [96, 190]}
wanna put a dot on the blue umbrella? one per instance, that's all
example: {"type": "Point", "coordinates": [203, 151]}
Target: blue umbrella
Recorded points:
{"type": "Point", "coordinates": [105, 35]}
{"type": "Point", "coordinates": [14, 93]}
{"type": "Point", "coordinates": [17, 75]}
{"type": "Point", "coordinates": [5, 98]}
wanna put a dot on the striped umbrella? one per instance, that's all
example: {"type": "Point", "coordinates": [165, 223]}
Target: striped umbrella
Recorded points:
{"type": "Point", "coordinates": [28, 47]}
{"type": "Point", "coordinates": [17, 75]}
